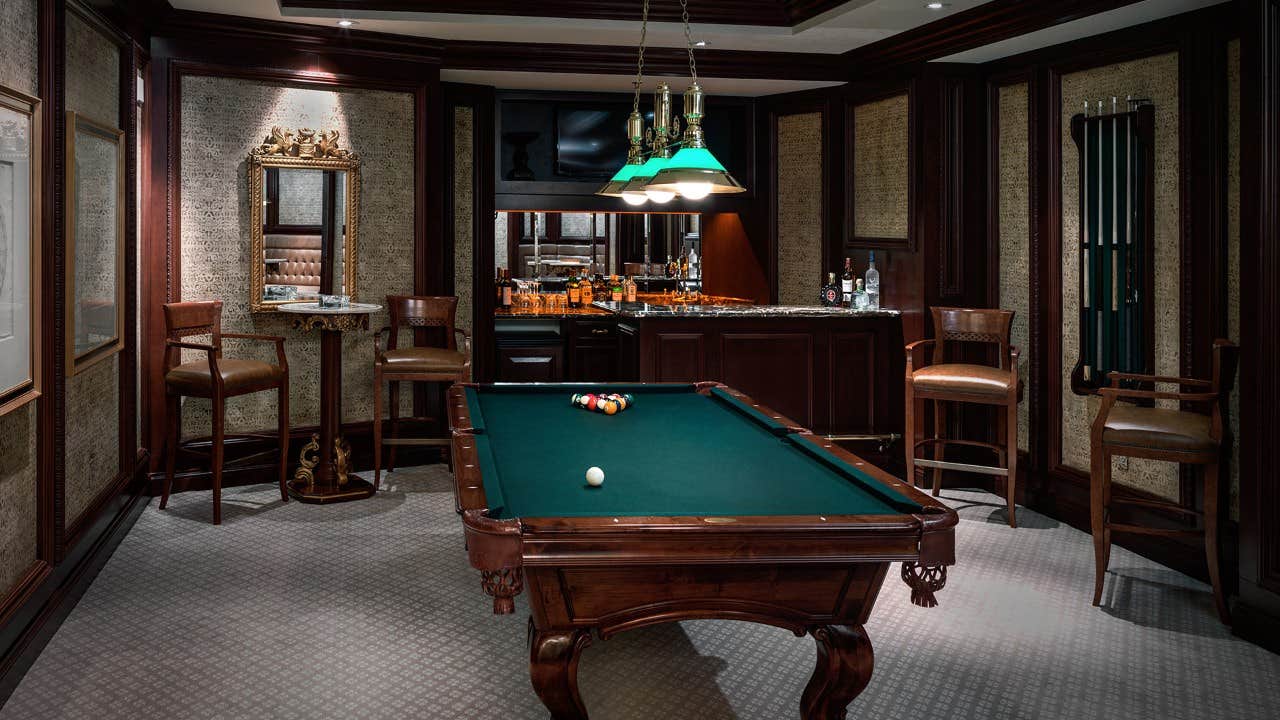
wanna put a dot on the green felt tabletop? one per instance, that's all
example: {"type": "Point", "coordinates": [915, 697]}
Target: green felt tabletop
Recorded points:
{"type": "Point", "coordinates": [674, 452]}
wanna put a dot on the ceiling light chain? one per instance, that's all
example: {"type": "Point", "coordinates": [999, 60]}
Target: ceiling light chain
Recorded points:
{"type": "Point", "coordinates": [688, 37]}
{"type": "Point", "coordinates": [644, 32]}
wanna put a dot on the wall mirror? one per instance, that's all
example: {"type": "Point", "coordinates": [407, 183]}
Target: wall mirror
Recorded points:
{"type": "Point", "coordinates": [19, 249]}
{"type": "Point", "coordinates": [304, 207]}
{"type": "Point", "coordinates": [95, 242]}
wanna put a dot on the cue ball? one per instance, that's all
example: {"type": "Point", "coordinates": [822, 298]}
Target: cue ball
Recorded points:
{"type": "Point", "coordinates": [595, 476]}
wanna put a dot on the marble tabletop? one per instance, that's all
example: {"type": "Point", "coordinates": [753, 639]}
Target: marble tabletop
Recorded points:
{"type": "Point", "coordinates": [313, 308]}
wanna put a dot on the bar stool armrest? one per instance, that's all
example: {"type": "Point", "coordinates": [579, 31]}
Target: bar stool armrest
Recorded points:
{"type": "Point", "coordinates": [911, 354]}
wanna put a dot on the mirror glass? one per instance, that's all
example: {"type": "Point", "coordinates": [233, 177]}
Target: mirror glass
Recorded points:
{"type": "Point", "coordinates": [97, 243]}
{"type": "Point", "coordinates": [303, 232]}
{"type": "Point", "coordinates": [19, 247]}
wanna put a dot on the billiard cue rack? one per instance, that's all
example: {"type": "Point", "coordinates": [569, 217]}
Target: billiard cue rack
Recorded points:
{"type": "Point", "coordinates": [1116, 284]}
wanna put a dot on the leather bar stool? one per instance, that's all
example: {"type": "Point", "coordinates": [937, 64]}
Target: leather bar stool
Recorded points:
{"type": "Point", "coordinates": [394, 364]}
{"type": "Point", "coordinates": [216, 378]}
{"type": "Point", "coordinates": [1174, 435]}
{"type": "Point", "coordinates": [944, 380]}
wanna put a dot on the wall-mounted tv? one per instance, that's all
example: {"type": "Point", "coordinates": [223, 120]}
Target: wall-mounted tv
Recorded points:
{"type": "Point", "coordinates": [591, 140]}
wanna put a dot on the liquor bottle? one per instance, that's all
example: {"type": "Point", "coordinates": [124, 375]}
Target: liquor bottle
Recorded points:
{"type": "Point", "coordinates": [684, 266]}
{"type": "Point", "coordinates": [587, 291]}
{"type": "Point", "coordinates": [830, 295]}
{"type": "Point", "coordinates": [859, 296]}
{"type": "Point", "coordinates": [507, 286]}
{"type": "Point", "coordinates": [497, 284]}
{"type": "Point", "coordinates": [574, 291]}
{"type": "Point", "coordinates": [629, 290]}
{"type": "Point", "coordinates": [873, 284]}
{"type": "Point", "coordinates": [672, 268]}
{"type": "Point", "coordinates": [615, 290]}
{"type": "Point", "coordinates": [846, 284]}
{"type": "Point", "coordinates": [693, 264]}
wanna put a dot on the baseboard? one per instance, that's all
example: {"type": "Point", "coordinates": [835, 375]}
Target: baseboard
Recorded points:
{"type": "Point", "coordinates": [33, 623]}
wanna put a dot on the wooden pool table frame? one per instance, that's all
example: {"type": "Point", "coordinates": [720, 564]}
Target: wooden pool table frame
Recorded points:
{"type": "Point", "coordinates": [815, 574]}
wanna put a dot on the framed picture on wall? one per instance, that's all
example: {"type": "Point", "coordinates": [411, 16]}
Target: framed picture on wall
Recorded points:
{"type": "Point", "coordinates": [19, 249]}
{"type": "Point", "coordinates": [95, 242]}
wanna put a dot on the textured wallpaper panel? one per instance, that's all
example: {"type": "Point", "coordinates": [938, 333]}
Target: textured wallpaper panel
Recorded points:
{"type": "Point", "coordinates": [19, 46]}
{"type": "Point", "coordinates": [222, 119]}
{"type": "Point", "coordinates": [1156, 78]}
{"type": "Point", "coordinates": [19, 61]}
{"type": "Point", "coordinates": [93, 395]}
{"type": "Point", "coordinates": [881, 168]}
{"type": "Point", "coordinates": [799, 184]}
{"type": "Point", "coordinates": [1015, 231]}
{"type": "Point", "coordinates": [1233, 253]}
{"type": "Point", "coordinates": [463, 228]}
{"type": "Point", "coordinates": [500, 240]}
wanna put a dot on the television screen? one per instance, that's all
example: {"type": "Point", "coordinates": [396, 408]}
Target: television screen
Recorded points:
{"type": "Point", "coordinates": [591, 140]}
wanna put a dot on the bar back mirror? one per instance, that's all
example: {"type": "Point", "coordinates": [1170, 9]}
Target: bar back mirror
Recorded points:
{"type": "Point", "coordinates": [95, 242]}
{"type": "Point", "coordinates": [304, 207]}
{"type": "Point", "coordinates": [1117, 212]}
{"type": "Point", "coordinates": [19, 249]}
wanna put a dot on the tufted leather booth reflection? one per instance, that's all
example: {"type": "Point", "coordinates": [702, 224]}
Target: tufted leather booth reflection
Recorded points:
{"type": "Point", "coordinates": [301, 261]}
{"type": "Point", "coordinates": [561, 251]}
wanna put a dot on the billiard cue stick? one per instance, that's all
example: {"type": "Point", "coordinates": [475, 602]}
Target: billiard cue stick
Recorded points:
{"type": "Point", "coordinates": [1101, 248]}
{"type": "Point", "coordinates": [1113, 351]}
{"type": "Point", "coordinates": [1086, 266]}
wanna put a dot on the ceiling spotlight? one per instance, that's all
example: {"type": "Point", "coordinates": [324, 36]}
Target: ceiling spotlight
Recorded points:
{"type": "Point", "coordinates": [347, 23]}
{"type": "Point", "coordinates": [936, 5]}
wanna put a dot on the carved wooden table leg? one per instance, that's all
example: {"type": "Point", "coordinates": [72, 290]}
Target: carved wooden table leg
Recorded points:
{"type": "Point", "coordinates": [843, 671]}
{"type": "Point", "coordinates": [553, 668]}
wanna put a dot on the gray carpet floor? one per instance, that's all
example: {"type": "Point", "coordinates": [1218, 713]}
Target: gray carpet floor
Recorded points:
{"type": "Point", "coordinates": [370, 610]}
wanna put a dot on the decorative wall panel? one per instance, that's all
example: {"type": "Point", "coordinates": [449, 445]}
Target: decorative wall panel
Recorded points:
{"type": "Point", "coordinates": [19, 51]}
{"type": "Point", "coordinates": [1233, 253]}
{"type": "Point", "coordinates": [1155, 78]}
{"type": "Point", "coordinates": [222, 118]}
{"type": "Point", "coordinates": [881, 168]}
{"type": "Point", "coordinates": [463, 207]}
{"type": "Point", "coordinates": [92, 396]}
{"type": "Point", "coordinates": [799, 183]}
{"type": "Point", "coordinates": [1014, 227]}
{"type": "Point", "coordinates": [19, 63]}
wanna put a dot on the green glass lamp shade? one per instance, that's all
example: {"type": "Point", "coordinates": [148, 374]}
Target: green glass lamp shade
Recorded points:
{"type": "Point", "coordinates": [644, 173]}
{"type": "Point", "coordinates": [694, 173]}
{"type": "Point", "coordinates": [614, 187]}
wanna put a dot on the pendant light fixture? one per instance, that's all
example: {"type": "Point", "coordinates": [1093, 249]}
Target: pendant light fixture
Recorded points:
{"type": "Point", "coordinates": [693, 172]}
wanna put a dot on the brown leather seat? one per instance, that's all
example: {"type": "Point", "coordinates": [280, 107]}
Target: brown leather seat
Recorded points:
{"type": "Point", "coordinates": [963, 378]}
{"type": "Point", "coordinates": [424, 359]}
{"type": "Point", "coordinates": [238, 377]}
{"type": "Point", "coordinates": [1158, 429]}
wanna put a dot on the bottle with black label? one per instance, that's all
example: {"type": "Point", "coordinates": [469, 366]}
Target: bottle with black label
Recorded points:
{"type": "Point", "coordinates": [507, 286]}
{"type": "Point", "coordinates": [830, 295]}
{"type": "Point", "coordinates": [574, 291]}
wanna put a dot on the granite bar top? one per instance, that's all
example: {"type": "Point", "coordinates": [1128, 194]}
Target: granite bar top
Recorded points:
{"type": "Point", "coordinates": [642, 310]}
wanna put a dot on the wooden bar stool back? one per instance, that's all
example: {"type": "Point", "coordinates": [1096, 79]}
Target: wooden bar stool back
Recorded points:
{"type": "Point", "coordinates": [945, 377]}
{"type": "Point", "coordinates": [216, 378]}
{"type": "Point", "coordinates": [394, 364]}
{"type": "Point", "coordinates": [1185, 436]}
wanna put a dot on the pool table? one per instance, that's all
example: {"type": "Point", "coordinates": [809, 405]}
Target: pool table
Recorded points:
{"type": "Point", "coordinates": [713, 506]}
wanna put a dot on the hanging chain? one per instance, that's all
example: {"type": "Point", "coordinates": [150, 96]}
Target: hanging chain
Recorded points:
{"type": "Point", "coordinates": [644, 31]}
{"type": "Point", "coordinates": [688, 36]}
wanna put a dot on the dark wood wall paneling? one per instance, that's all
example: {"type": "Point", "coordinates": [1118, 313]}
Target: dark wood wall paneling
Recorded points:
{"type": "Point", "coordinates": [1257, 612]}
{"type": "Point", "coordinates": [69, 554]}
{"type": "Point", "coordinates": [1200, 38]}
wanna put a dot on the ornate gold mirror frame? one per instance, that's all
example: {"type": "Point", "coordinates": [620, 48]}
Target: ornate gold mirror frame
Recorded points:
{"type": "Point", "coordinates": [307, 150]}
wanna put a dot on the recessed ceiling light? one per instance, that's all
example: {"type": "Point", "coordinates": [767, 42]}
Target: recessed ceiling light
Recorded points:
{"type": "Point", "coordinates": [937, 5]}
{"type": "Point", "coordinates": [347, 23]}
{"type": "Point", "coordinates": [701, 43]}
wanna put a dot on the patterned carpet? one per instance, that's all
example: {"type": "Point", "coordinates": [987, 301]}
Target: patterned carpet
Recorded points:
{"type": "Point", "coordinates": [369, 610]}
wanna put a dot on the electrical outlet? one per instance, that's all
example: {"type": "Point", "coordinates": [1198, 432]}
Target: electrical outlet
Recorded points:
{"type": "Point", "coordinates": [1122, 462]}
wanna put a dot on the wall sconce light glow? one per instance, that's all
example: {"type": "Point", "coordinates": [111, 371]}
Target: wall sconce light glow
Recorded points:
{"type": "Point", "coordinates": [700, 43]}
{"type": "Point", "coordinates": [347, 23]}
{"type": "Point", "coordinates": [936, 5]}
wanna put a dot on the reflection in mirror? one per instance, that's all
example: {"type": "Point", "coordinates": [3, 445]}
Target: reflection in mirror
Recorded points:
{"type": "Point", "coordinates": [304, 231]}
{"type": "Point", "coordinates": [19, 248]}
{"type": "Point", "coordinates": [95, 248]}
{"type": "Point", "coordinates": [658, 250]}
{"type": "Point", "coordinates": [304, 200]}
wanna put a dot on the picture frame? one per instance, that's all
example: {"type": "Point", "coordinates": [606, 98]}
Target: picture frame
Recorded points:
{"type": "Point", "coordinates": [20, 249]}
{"type": "Point", "coordinates": [95, 262]}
